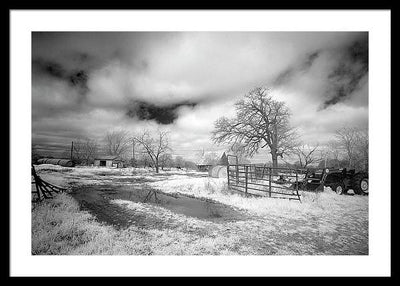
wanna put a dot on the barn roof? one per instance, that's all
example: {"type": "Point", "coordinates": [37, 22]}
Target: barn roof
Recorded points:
{"type": "Point", "coordinates": [223, 160]}
{"type": "Point", "coordinates": [203, 159]}
{"type": "Point", "coordinates": [108, 157]}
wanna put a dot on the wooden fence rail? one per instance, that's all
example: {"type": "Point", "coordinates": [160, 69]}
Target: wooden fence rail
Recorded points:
{"type": "Point", "coordinates": [43, 189]}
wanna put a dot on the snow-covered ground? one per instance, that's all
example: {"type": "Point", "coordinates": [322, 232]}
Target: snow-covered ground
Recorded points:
{"type": "Point", "coordinates": [323, 223]}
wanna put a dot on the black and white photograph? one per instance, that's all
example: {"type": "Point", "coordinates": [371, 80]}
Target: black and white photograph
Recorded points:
{"type": "Point", "coordinates": [200, 143]}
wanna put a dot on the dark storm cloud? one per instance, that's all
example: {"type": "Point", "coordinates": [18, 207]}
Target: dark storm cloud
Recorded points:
{"type": "Point", "coordinates": [346, 76]}
{"type": "Point", "coordinates": [75, 78]}
{"type": "Point", "coordinates": [90, 50]}
{"type": "Point", "coordinates": [309, 60]}
{"type": "Point", "coordinates": [294, 70]}
{"type": "Point", "coordinates": [161, 114]}
{"type": "Point", "coordinates": [340, 70]}
{"type": "Point", "coordinates": [74, 59]}
{"type": "Point", "coordinates": [79, 79]}
{"type": "Point", "coordinates": [358, 51]}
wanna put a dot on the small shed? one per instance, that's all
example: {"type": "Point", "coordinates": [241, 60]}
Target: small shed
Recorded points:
{"type": "Point", "coordinates": [203, 167]}
{"type": "Point", "coordinates": [109, 161]}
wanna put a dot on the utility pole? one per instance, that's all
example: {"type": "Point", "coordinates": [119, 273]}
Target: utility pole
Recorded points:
{"type": "Point", "coordinates": [72, 148]}
{"type": "Point", "coordinates": [133, 152]}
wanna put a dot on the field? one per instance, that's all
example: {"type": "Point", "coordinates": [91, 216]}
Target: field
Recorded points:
{"type": "Point", "coordinates": [133, 211]}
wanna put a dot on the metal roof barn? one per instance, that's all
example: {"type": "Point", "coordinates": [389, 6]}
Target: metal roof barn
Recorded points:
{"type": "Point", "coordinates": [60, 162]}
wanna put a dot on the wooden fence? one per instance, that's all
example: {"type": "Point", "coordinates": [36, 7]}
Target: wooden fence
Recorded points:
{"type": "Point", "coordinates": [43, 189]}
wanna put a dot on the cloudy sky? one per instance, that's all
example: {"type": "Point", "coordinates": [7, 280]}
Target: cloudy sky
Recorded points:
{"type": "Point", "coordinates": [85, 84]}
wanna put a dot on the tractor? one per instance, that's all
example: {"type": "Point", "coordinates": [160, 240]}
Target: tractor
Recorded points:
{"type": "Point", "coordinates": [342, 180]}
{"type": "Point", "coordinates": [339, 180]}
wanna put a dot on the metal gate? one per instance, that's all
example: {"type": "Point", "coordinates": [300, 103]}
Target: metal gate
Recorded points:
{"type": "Point", "coordinates": [260, 180]}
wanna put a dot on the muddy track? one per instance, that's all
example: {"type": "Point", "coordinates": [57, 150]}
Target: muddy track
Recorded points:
{"type": "Point", "coordinates": [97, 199]}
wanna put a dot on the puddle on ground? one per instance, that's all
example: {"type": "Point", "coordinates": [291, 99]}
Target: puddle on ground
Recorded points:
{"type": "Point", "coordinates": [97, 200]}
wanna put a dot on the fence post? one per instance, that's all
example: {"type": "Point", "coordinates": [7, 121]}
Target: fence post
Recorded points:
{"type": "Point", "coordinates": [322, 183]}
{"type": "Point", "coordinates": [237, 174]}
{"type": "Point", "coordinates": [246, 175]}
{"type": "Point", "coordinates": [269, 180]}
{"type": "Point", "coordinates": [297, 185]}
{"type": "Point", "coordinates": [227, 172]}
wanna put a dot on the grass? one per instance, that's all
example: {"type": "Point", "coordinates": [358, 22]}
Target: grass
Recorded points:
{"type": "Point", "coordinates": [60, 228]}
{"type": "Point", "coordinates": [324, 223]}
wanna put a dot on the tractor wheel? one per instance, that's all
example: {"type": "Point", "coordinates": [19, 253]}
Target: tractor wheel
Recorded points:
{"type": "Point", "coordinates": [361, 184]}
{"type": "Point", "coordinates": [338, 188]}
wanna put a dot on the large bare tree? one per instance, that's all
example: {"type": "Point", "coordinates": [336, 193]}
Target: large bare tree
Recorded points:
{"type": "Point", "coordinates": [117, 142]}
{"type": "Point", "coordinates": [155, 146]}
{"type": "Point", "coordinates": [260, 122]}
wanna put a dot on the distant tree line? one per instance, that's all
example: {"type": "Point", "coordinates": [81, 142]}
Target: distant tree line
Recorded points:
{"type": "Point", "coordinates": [145, 149]}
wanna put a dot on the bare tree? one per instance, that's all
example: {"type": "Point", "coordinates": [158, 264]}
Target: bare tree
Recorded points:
{"type": "Point", "coordinates": [155, 147]}
{"type": "Point", "coordinates": [334, 149]}
{"type": "Point", "coordinates": [143, 160]}
{"type": "Point", "coordinates": [84, 150]}
{"type": "Point", "coordinates": [165, 160]}
{"type": "Point", "coordinates": [260, 122]}
{"type": "Point", "coordinates": [307, 155]}
{"type": "Point", "coordinates": [179, 161]}
{"type": "Point", "coordinates": [211, 158]}
{"type": "Point", "coordinates": [346, 138]}
{"type": "Point", "coordinates": [334, 154]}
{"type": "Point", "coordinates": [189, 165]}
{"type": "Point", "coordinates": [353, 142]}
{"type": "Point", "coordinates": [88, 150]}
{"type": "Point", "coordinates": [208, 158]}
{"type": "Point", "coordinates": [362, 149]}
{"type": "Point", "coordinates": [117, 142]}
